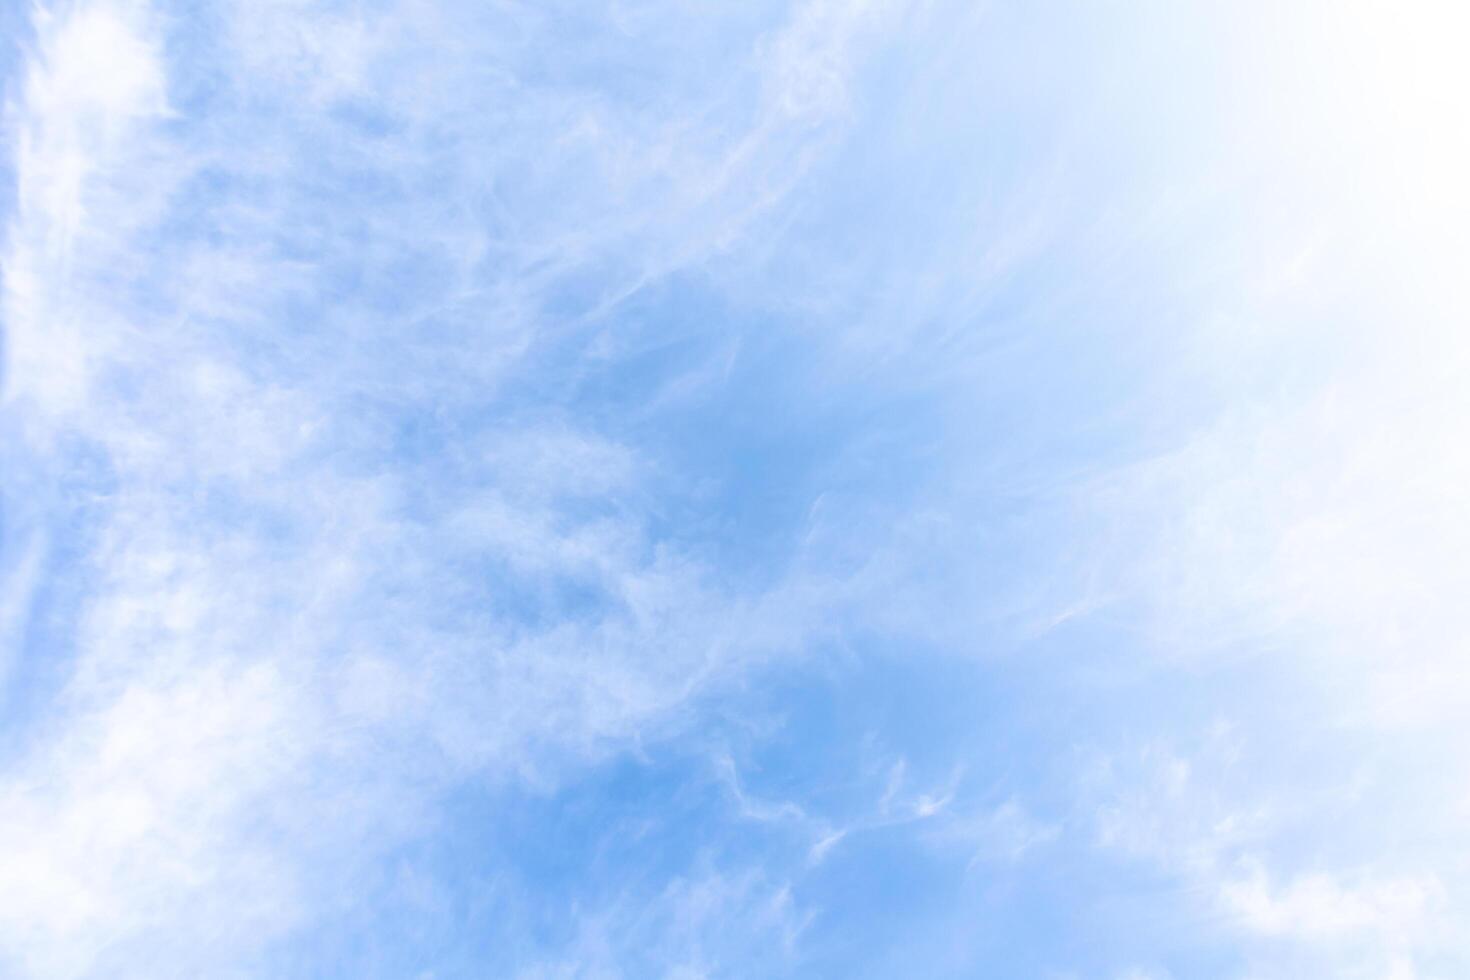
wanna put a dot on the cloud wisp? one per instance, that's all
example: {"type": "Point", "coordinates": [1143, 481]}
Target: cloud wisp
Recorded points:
{"type": "Point", "coordinates": [817, 488]}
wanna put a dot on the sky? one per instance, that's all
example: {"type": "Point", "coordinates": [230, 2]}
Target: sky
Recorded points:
{"type": "Point", "coordinates": [553, 489]}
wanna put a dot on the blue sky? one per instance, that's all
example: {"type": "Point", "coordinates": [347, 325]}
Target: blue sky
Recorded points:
{"type": "Point", "coordinates": [884, 488]}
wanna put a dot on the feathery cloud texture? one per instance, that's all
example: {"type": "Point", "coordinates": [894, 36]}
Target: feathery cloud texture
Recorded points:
{"type": "Point", "coordinates": [868, 488]}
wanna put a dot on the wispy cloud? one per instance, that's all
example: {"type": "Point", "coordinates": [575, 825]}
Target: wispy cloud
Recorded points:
{"type": "Point", "coordinates": [268, 407]}
{"type": "Point", "coordinates": [635, 489]}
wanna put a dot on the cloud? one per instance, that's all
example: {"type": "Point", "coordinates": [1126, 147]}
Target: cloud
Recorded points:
{"type": "Point", "coordinates": [1318, 907]}
{"type": "Point", "coordinates": [412, 410]}
{"type": "Point", "coordinates": [266, 314]}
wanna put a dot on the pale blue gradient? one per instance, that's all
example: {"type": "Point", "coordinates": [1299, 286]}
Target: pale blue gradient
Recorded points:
{"type": "Point", "coordinates": [888, 488]}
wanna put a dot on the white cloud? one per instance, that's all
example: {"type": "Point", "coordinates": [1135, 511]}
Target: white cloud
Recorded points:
{"type": "Point", "coordinates": [94, 86]}
{"type": "Point", "coordinates": [289, 633]}
{"type": "Point", "coordinates": [1320, 907]}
